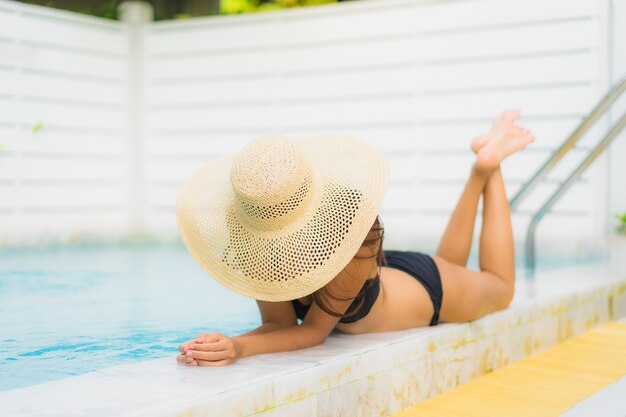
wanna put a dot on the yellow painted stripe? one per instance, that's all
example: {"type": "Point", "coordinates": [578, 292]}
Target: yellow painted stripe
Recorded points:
{"type": "Point", "coordinates": [546, 384]}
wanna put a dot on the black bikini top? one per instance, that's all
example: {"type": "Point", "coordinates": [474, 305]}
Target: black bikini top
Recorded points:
{"type": "Point", "coordinates": [369, 293]}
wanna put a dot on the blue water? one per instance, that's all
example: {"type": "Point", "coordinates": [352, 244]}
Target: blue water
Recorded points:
{"type": "Point", "coordinates": [69, 310]}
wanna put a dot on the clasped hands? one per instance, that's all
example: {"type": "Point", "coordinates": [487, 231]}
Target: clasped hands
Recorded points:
{"type": "Point", "coordinates": [212, 349]}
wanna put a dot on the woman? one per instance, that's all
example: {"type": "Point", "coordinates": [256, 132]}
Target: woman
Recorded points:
{"type": "Point", "coordinates": [290, 224]}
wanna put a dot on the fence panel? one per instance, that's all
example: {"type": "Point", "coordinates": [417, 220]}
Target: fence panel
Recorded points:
{"type": "Point", "coordinates": [63, 126]}
{"type": "Point", "coordinates": [417, 79]}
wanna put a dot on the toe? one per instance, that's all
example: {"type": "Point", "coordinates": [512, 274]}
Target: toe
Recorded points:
{"type": "Point", "coordinates": [530, 138]}
{"type": "Point", "coordinates": [514, 114]}
{"type": "Point", "coordinates": [506, 117]}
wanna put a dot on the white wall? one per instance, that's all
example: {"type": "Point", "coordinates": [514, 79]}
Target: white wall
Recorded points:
{"type": "Point", "coordinates": [416, 78]}
{"type": "Point", "coordinates": [68, 73]}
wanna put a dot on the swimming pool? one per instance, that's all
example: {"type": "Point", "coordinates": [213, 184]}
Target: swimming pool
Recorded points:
{"type": "Point", "coordinates": [67, 311]}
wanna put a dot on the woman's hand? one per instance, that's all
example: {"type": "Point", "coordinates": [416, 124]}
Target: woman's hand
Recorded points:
{"type": "Point", "coordinates": [213, 349]}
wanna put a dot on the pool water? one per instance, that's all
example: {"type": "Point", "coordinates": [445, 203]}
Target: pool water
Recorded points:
{"type": "Point", "coordinates": [70, 310]}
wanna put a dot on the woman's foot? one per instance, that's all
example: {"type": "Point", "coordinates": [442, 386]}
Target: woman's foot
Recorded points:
{"type": "Point", "coordinates": [505, 118]}
{"type": "Point", "coordinates": [506, 140]}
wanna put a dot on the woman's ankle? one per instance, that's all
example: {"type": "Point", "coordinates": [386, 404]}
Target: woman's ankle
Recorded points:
{"type": "Point", "coordinates": [480, 171]}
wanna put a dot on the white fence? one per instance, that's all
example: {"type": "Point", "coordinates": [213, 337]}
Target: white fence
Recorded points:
{"type": "Point", "coordinates": [63, 106]}
{"type": "Point", "coordinates": [418, 79]}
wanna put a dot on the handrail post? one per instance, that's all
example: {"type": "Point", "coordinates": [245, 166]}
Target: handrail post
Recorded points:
{"type": "Point", "coordinates": [565, 185]}
{"type": "Point", "coordinates": [602, 106]}
{"type": "Point", "coordinates": [530, 255]}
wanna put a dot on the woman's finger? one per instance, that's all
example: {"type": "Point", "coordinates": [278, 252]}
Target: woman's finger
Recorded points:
{"type": "Point", "coordinates": [184, 347]}
{"type": "Point", "coordinates": [186, 360]}
{"type": "Point", "coordinates": [209, 337]}
{"type": "Point", "coordinates": [214, 363]}
{"type": "Point", "coordinates": [209, 356]}
{"type": "Point", "coordinates": [211, 346]}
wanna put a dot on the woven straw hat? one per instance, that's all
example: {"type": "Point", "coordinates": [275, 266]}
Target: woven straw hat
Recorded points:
{"type": "Point", "coordinates": [282, 217]}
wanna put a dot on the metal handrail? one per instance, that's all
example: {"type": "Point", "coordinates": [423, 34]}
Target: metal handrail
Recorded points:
{"type": "Point", "coordinates": [569, 143]}
{"type": "Point", "coordinates": [532, 227]}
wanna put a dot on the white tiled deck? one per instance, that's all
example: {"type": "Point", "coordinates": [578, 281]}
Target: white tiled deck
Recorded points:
{"type": "Point", "coordinates": [349, 375]}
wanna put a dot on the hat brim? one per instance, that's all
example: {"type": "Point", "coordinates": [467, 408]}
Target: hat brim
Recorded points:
{"type": "Point", "coordinates": [302, 257]}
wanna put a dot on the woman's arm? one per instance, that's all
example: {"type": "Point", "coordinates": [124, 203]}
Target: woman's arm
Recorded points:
{"type": "Point", "coordinates": [262, 329]}
{"type": "Point", "coordinates": [274, 315]}
{"type": "Point", "coordinates": [217, 349]}
{"type": "Point", "coordinates": [280, 340]}
{"type": "Point", "coordinates": [317, 324]}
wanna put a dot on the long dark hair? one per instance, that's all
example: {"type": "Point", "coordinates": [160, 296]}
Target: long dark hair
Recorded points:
{"type": "Point", "coordinates": [374, 241]}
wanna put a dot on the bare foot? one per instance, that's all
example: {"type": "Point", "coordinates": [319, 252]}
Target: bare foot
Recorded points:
{"type": "Point", "coordinates": [504, 118]}
{"type": "Point", "coordinates": [508, 139]}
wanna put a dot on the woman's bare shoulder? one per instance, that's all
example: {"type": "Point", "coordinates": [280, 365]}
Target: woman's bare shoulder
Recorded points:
{"type": "Point", "coordinates": [279, 312]}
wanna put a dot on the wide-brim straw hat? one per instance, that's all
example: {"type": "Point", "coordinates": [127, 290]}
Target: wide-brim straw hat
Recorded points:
{"type": "Point", "coordinates": [282, 217]}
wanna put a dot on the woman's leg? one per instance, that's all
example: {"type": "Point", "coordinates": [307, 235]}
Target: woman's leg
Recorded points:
{"type": "Point", "coordinates": [456, 242]}
{"type": "Point", "coordinates": [497, 254]}
{"type": "Point", "coordinates": [470, 294]}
